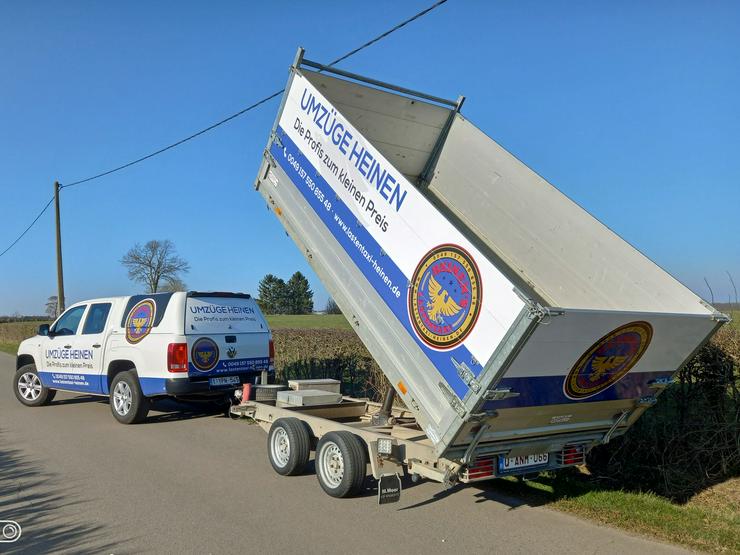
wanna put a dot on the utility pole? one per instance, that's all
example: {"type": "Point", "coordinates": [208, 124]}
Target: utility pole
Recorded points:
{"type": "Point", "coordinates": [60, 271]}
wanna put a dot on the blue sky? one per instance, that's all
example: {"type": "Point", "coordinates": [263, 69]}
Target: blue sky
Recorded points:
{"type": "Point", "coordinates": [630, 108]}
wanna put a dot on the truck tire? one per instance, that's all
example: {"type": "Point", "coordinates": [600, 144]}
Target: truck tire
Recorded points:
{"type": "Point", "coordinates": [28, 387]}
{"type": "Point", "coordinates": [341, 462]}
{"type": "Point", "coordinates": [289, 446]}
{"type": "Point", "coordinates": [127, 402]}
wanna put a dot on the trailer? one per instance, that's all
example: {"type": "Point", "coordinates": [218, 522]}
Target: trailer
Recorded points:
{"type": "Point", "coordinates": [516, 329]}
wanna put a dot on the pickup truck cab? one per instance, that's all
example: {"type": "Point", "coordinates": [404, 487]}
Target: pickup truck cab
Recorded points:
{"type": "Point", "coordinates": [139, 348]}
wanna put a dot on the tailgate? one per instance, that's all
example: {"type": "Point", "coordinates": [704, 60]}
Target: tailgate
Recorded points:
{"type": "Point", "coordinates": [226, 335]}
{"type": "Point", "coordinates": [583, 369]}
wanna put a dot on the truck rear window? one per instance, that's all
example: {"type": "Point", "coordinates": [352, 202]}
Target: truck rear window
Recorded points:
{"type": "Point", "coordinates": [213, 315]}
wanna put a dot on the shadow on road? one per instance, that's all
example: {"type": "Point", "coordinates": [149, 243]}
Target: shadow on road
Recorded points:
{"type": "Point", "coordinates": [497, 490]}
{"type": "Point", "coordinates": [50, 514]}
{"type": "Point", "coordinates": [163, 410]}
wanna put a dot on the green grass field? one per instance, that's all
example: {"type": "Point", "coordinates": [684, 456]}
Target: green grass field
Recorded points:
{"type": "Point", "coordinates": [709, 522]}
{"type": "Point", "coordinates": [308, 321]}
{"type": "Point", "coordinates": [12, 333]}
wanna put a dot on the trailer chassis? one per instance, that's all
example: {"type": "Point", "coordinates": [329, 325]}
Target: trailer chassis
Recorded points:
{"type": "Point", "coordinates": [395, 445]}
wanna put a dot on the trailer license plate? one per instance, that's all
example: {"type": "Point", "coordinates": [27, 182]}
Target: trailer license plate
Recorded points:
{"type": "Point", "coordinates": [510, 463]}
{"type": "Point", "coordinates": [226, 380]}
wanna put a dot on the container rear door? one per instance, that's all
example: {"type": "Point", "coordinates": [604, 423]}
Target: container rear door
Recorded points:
{"type": "Point", "coordinates": [226, 335]}
{"type": "Point", "coordinates": [580, 370]}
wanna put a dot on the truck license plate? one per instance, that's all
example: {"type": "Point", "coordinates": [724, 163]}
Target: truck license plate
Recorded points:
{"type": "Point", "coordinates": [225, 380]}
{"type": "Point", "coordinates": [510, 463]}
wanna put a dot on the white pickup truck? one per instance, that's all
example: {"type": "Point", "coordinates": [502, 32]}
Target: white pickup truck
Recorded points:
{"type": "Point", "coordinates": [143, 347]}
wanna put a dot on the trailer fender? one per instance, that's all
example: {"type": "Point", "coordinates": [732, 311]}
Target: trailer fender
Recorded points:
{"type": "Point", "coordinates": [381, 464]}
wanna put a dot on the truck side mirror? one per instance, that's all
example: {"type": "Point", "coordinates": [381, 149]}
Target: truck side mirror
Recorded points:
{"type": "Point", "coordinates": [43, 329]}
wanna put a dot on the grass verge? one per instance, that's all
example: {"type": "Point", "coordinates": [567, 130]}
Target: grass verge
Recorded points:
{"type": "Point", "coordinates": [702, 523]}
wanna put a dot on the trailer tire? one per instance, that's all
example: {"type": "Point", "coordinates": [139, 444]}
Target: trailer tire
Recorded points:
{"type": "Point", "coordinates": [341, 463]}
{"type": "Point", "coordinates": [289, 446]}
{"type": "Point", "coordinates": [28, 388]}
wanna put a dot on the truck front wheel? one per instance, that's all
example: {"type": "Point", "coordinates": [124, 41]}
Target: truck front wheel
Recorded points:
{"type": "Point", "coordinates": [127, 402]}
{"type": "Point", "coordinates": [289, 446]}
{"type": "Point", "coordinates": [341, 463]}
{"type": "Point", "coordinates": [28, 387]}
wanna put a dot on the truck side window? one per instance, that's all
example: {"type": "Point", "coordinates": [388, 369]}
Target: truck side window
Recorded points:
{"type": "Point", "coordinates": [97, 316]}
{"type": "Point", "coordinates": [69, 321]}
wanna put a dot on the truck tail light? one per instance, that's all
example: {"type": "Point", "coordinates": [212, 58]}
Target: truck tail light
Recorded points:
{"type": "Point", "coordinates": [272, 354]}
{"type": "Point", "coordinates": [177, 357]}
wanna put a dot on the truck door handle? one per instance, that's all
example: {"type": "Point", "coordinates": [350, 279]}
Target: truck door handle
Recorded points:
{"type": "Point", "coordinates": [96, 346]}
{"type": "Point", "coordinates": [68, 346]}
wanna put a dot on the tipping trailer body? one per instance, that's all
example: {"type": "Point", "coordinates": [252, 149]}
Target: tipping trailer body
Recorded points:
{"type": "Point", "coordinates": [508, 319]}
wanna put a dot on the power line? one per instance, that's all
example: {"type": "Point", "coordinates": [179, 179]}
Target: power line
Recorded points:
{"type": "Point", "coordinates": [225, 120]}
{"type": "Point", "coordinates": [36, 219]}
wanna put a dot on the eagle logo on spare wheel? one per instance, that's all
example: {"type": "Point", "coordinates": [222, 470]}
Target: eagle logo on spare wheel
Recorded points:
{"type": "Point", "coordinates": [140, 320]}
{"type": "Point", "coordinates": [445, 296]}
{"type": "Point", "coordinates": [204, 354]}
{"type": "Point", "coordinates": [608, 360]}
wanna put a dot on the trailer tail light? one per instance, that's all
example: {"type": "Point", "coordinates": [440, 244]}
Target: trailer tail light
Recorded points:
{"type": "Point", "coordinates": [482, 468]}
{"type": "Point", "coordinates": [177, 357]}
{"type": "Point", "coordinates": [272, 354]}
{"type": "Point", "coordinates": [571, 454]}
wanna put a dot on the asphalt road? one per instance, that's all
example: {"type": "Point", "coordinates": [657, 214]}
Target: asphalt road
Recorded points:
{"type": "Point", "coordinates": [192, 482]}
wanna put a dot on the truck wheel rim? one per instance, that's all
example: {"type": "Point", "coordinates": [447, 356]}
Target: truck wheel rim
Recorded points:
{"type": "Point", "coordinates": [29, 386]}
{"type": "Point", "coordinates": [332, 465]}
{"type": "Point", "coordinates": [280, 447]}
{"type": "Point", "coordinates": [122, 398]}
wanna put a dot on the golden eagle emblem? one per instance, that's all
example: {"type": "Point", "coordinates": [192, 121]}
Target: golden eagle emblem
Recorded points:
{"type": "Point", "coordinates": [604, 365]}
{"type": "Point", "coordinates": [138, 323]}
{"type": "Point", "coordinates": [440, 302]}
{"type": "Point", "coordinates": [205, 357]}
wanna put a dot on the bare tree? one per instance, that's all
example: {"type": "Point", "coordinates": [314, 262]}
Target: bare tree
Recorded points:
{"type": "Point", "coordinates": [155, 264]}
{"type": "Point", "coordinates": [52, 307]}
{"type": "Point", "coordinates": [174, 284]}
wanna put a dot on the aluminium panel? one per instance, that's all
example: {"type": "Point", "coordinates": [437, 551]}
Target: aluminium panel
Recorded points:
{"type": "Point", "coordinates": [566, 255]}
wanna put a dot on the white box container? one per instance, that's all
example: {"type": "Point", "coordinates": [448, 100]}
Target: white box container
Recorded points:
{"type": "Point", "coordinates": [484, 294]}
{"type": "Point", "coordinates": [308, 398]}
{"type": "Point", "coordinates": [326, 384]}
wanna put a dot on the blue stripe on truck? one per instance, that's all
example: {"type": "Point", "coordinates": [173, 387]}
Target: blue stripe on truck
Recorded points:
{"type": "Point", "coordinates": [226, 366]}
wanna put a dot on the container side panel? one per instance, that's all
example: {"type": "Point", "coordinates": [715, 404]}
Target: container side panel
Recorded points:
{"type": "Point", "coordinates": [566, 255]}
{"type": "Point", "coordinates": [585, 367]}
{"type": "Point", "coordinates": [404, 130]}
{"type": "Point", "coordinates": [386, 339]}
{"type": "Point", "coordinates": [629, 351]}
{"type": "Point", "coordinates": [454, 304]}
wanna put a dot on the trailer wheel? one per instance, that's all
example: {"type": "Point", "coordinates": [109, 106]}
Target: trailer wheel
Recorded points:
{"type": "Point", "coordinates": [341, 462]}
{"type": "Point", "coordinates": [289, 446]}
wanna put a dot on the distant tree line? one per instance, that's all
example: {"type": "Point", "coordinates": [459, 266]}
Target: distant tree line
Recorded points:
{"type": "Point", "coordinates": [277, 296]}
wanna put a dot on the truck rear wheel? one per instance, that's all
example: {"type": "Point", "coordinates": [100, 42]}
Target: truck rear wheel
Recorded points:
{"type": "Point", "coordinates": [28, 387]}
{"type": "Point", "coordinates": [341, 462]}
{"type": "Point", "coordinates": [289, 446]}
{"type": "Point", "coordinates": [127, 402]}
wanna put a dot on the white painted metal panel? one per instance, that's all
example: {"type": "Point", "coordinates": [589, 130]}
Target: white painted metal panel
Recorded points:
{"type": "Point", "coordinates": [562, 252]}
{"type": "Point", "coordinates": [403, 129]}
